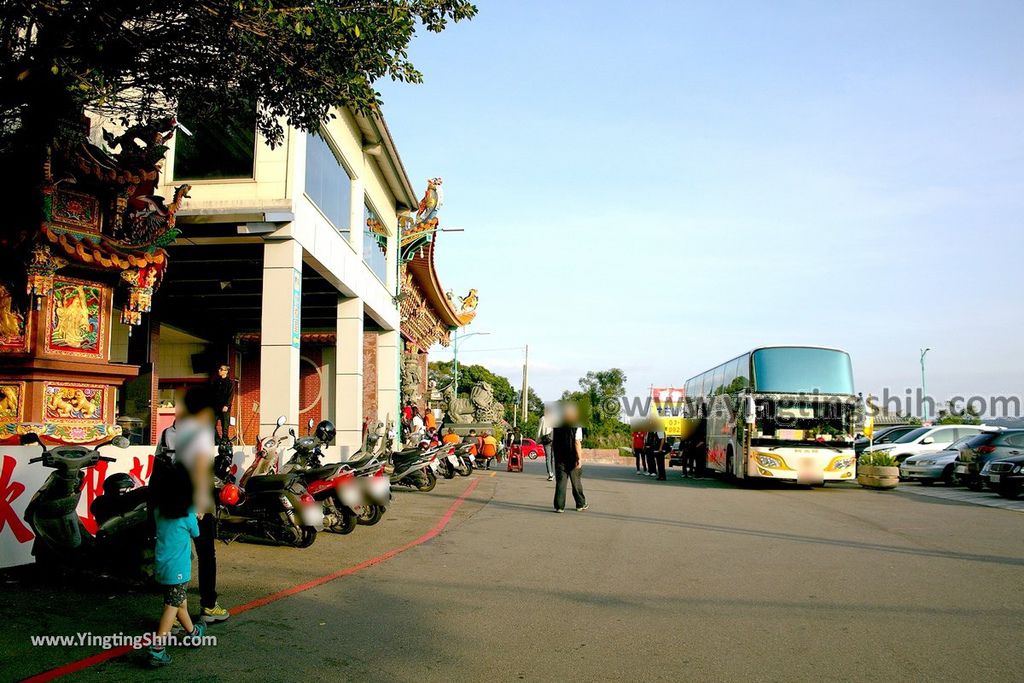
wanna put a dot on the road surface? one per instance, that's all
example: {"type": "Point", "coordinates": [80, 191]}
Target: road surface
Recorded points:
{"type": "Point", "coordinates": [677, 580]}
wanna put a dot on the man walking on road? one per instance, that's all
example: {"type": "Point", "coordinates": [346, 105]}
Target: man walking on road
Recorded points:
{"type": "Point", "coordinates": [544, 429]}
{"type": "Point", "coordinates": [567, 440]}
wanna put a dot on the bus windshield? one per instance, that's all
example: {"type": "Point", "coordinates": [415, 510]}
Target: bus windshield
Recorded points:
{"type": "Point", "coordinates": [795, 370]}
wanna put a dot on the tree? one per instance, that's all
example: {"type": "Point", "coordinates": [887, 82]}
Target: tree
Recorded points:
{"type": "Point", "coordinates": [950, 415]}
{"type": "Point", "coordinates": [138, 60]}
{"type": "Point", "coordinates": [600, 400]}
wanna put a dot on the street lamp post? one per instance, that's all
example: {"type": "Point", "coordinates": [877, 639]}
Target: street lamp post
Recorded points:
{"type": "Point", "coordinates": [924, 390]}
{"type": "Point", "coordinates": [455, 354]}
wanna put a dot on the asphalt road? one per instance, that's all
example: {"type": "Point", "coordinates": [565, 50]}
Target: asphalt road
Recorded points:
{"type": "Point", "coordinates": [677, 580]}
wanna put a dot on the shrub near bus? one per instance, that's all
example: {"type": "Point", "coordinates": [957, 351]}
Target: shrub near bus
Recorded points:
{"type": "Point", "coordinates": [779, 412]}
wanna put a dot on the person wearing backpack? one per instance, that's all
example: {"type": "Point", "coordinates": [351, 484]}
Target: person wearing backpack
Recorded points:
{"type": "Point", "coordinates": [193, 447]}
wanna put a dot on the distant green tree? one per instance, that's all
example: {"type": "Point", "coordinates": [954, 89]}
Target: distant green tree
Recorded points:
{"type": "Point", "coordinates": [950, 415]}
{"type": "Point", "coordinates": [600, 399]}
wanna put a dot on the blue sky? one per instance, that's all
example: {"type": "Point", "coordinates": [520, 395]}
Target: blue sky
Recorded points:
{"type": "Point", "coordinates": [658, 186]}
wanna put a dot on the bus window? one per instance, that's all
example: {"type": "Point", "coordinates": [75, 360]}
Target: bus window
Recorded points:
{"type": "Point", "coordinates": [716, 381]}
{"type": "Point", "coordinates": [743, 371]}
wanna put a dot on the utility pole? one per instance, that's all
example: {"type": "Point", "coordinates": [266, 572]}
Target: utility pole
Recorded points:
{"type": "Point", "coordinates": [924, 390]}
{"type": "Point", "coordinates": [526, 382]}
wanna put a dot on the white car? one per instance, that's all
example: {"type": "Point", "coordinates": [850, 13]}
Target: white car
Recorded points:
{"type": "Point", "coordinates": [926, 440]}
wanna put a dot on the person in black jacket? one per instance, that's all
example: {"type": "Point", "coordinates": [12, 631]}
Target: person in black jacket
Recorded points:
{"type": "Point", "coordinates": [566, 441]}
{"type": "Point", "coordinates": [223, 394]}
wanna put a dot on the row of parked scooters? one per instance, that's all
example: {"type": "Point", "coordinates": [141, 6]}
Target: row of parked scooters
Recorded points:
{"type": "Point", "coordinates": [285, 496]}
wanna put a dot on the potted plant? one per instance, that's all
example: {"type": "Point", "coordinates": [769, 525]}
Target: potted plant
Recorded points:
{"type": "Point", "coordinates": [878, 470]}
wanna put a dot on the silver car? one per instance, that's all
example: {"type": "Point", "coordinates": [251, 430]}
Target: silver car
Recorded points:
{"type": "Point", "coordinates": [929, 468]}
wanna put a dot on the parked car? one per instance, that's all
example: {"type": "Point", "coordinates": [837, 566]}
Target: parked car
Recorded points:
{"type": "Point", "coordinates": [1006, 477]}
{"type": "Point", "coordinates": [532, 449]}
{"type": "Point", "coordinates": [675, 454]}
{"type": "Point", "coordinates": [990, 446]}
{"type": "Point", "coordinates": [925, 440]}
{"type": "Point", "coordinates": [882, 435]}
{"type": "Point", "coordinates": [929, 468]}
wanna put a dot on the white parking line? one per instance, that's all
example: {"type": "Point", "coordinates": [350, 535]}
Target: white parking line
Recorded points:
{"type": "Point", "coordinates": [985, 498]}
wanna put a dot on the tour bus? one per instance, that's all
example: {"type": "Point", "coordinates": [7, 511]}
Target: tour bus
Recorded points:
{"type": "Point", "coordinates": [779, 412]}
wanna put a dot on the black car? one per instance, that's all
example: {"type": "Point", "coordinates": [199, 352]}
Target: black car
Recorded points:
{"type": "Point", "coordinates": [985, 448]}
{"type": "Point", "coordinates": [886, 434]}
{"type": "Point", "coordinates": [1006, 477]}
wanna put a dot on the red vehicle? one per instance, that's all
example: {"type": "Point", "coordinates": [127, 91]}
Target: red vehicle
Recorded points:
{"type": "Point", "coordinates": [531, 449]}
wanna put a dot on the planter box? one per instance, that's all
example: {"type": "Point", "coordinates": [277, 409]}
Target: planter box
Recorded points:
{"type": "Point", "coordinates": [881, 478]}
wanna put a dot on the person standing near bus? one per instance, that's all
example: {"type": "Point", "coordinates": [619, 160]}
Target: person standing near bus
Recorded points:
{"type": "Point", "coordinates": [654, 445]}
{"type": "Point", "coordinates": [638, 451]}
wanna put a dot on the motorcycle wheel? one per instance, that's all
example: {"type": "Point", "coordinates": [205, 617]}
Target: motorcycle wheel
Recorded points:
{"type": "Point", "coordinates": [431, 482]}
{"type": "Point", "coordinates": [306, 537]}
{"type": "Point", "coordinates": [465, 469]}
{"type": "Point", "coordinates": [449, 471]}
{"type": "Point", "coordinates": [348, 524]}
{"type": "Point", "coordinates": [370, 514]}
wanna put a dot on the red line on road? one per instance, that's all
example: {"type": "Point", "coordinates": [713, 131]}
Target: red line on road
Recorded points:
{"type": "Point", "coordinates": [107, 655]}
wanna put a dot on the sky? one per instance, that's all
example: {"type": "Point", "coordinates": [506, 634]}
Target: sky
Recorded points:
{"type": "Point", "coordinates": [660, 186]}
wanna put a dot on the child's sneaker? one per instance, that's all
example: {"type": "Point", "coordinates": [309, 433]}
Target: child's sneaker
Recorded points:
{"type": "Point", "coordinates": [158, 657]}
{"type": "Point", "coordinates": [195, 639]}
{"type": "Point", "coordinates": [212, 615]}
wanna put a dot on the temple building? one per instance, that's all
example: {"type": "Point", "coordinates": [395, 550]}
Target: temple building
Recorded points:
{"type": "Point", "coordinates": [306, 268]}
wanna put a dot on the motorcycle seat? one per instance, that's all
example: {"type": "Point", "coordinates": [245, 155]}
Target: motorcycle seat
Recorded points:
{"type": "Point", "coordinates": [268, 482]}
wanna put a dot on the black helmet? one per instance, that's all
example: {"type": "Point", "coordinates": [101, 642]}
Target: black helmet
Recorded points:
{"type": "Point", "coordinates": [325, 432]}
{"type": "Point", "coordinates": [118, 484]}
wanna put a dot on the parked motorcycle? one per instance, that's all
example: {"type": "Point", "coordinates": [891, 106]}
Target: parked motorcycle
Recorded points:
{"type": "Point", "coordinates": [368, 464]}
{"type": "Point", "coordinates": [274, 507]}
{"type": "Point", "coordinates": [125, 534]}
{"type": "Point", "coordinates": [467, 459]}
{"type": "Point", "coordinates": [415, 467]}
{"type": "Point", "coordinates": [332, 485]}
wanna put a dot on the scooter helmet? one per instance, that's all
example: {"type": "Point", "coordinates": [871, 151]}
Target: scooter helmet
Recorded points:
{"type": "Point", "coordinates": [325, 432]}
{"type": "Point", "coordinates": [118, 484]}
{"type": "Point", "coordinates": [229, 494]}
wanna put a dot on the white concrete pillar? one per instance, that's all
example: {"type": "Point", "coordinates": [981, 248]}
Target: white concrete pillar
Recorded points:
{"type": "Point", "coordinates": [348, 383]}
{"type": "Point", "coordinates": [280, 333]}
{"type": "Point", "coordinates": [389, 350]}
{"type": "Point", "coordinates": [357, 206]}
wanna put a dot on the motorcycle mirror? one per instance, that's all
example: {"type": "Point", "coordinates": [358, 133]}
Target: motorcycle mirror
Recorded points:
{"type": "Point", "coordinates": [281, 420]}
{"type": "Point", "coordinates": [28, 438]}
{"type": "Point", "coordinates": [120, 442]}
{"type": "Point", "coordinates": [309, 426]}
{"type": "Point", "coordinates": [291, 432]}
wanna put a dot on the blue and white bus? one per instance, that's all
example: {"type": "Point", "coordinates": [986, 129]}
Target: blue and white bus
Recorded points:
{"type": "Point", "coordinates": [779, 412]}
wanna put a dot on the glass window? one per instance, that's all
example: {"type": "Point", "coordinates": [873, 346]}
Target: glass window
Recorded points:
{"type": "Point", "coordinates": [222, 144]}
{"type": "Point", "coordinates": [1016, 440]}
{"type": "Point", "coordinates": [743, 371]}
{"type": "Point", "coordinates": [328, 184]}
{"type": "Point", "coordinates": [912, 436]}
{"type": "Point", "coordinates": [794, 369]}
{"type": "Point", "coordinates": [375, 243]}
{"type": "Point", "coordinates": [943, 436]}
{"type": "Point", "coordinates": [716, 381]}
{"type": "Point", "coordinates": [966, 431]}
{"type": "Point", "coordinates": [728, 375]}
